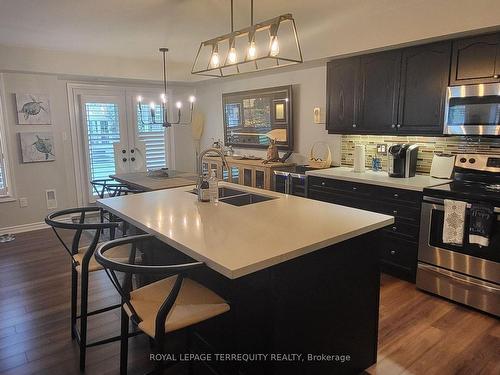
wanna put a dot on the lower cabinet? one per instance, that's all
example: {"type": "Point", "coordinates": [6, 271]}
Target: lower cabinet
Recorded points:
{"type": "Point", "coordinates": [399, 248]}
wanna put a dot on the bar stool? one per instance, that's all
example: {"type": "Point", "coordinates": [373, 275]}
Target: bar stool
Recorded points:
{"type": "Point", "coordinates": [83, 262]}
{"type": "Point", "coordinates": [170, 304]}
{"type": "Point", "coordinates": [101, 185]}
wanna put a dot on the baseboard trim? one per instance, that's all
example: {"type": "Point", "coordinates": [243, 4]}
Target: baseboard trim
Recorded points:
{"type": "Point", "coordinates": [29, 227]}
{"type": "Point", "coordinates": [24, 228]}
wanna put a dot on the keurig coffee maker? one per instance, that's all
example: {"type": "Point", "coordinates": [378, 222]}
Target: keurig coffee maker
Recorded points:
{"type": "Point", "coordinates": [402, 160]}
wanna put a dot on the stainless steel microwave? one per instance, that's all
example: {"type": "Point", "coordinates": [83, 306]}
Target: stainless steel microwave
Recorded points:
{"type": "Point", "coordinates": [473, 110]}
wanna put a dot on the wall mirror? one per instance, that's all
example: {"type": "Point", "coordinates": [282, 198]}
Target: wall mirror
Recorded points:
{"type": "Point", "coordinates": [252, 118]}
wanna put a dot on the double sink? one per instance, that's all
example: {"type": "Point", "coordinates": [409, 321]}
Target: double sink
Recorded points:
{"type": "Point", "coordinates": [237, 197]}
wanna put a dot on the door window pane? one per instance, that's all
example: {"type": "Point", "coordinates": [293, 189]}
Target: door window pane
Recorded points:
{"type": "Point", "coordinates": [103, 129]}
{"type": "Point", "coordinates": [153, 136]}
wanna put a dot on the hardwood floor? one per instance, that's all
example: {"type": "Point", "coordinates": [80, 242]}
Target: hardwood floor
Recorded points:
{"type": "Point", "coordinates": [419, 333]}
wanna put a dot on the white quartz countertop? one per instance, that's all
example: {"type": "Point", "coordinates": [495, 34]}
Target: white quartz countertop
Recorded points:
{"type": "Point", "coordinates": [236, 241]}
{"type": "Point", "coordinates": [417, 183]}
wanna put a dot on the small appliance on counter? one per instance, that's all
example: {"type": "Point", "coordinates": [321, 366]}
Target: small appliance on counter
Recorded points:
{"type": "Point", "coordinates": [463, 266]}
{"type": "Point", "coordinates": [442, 165]}
{"type": "Point", "coordinates": [402, 160]}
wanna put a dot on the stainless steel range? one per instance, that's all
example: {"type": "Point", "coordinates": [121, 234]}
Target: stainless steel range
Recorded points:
{"type": "Point", "coordinates": [467, 273]}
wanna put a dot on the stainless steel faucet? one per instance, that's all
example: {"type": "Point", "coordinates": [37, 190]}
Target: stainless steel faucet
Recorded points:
{"type": "Point", "coordinates": [200, 165]}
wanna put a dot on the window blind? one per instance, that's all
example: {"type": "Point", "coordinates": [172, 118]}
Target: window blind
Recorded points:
{"type": "Point", "coordinates": [153, 136]}
{"type": "Point", "coordinates": [103, 129]}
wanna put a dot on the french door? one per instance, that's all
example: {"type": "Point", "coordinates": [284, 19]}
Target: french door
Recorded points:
{"type": "Point", "coordinates": [114, 139]}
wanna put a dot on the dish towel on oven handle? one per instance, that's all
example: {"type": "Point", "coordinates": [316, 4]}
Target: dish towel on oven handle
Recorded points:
{"type": "Point", "coordinates": [481, 223]}
{"type": "Point", "coordinates": [454, 222]}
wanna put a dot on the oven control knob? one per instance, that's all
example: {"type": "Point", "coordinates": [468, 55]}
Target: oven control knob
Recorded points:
{"type": "Point", "coordinates": [472, 160]}
{"type": "Point", "coordinates": [463, 160]}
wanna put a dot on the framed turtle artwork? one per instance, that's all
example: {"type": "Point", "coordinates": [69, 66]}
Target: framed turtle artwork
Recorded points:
{"type": "Point", "coordinates": [37, 147]}
{"type": "Point", "coordinates": [33, 109]}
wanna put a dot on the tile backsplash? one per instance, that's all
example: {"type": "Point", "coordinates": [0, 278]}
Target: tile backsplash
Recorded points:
{"type": "Point", "coordinates": [427, 147]}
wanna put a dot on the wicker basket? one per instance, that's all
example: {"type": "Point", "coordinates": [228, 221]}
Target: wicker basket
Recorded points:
{"type": "Point", "coordinates": [324, 161]}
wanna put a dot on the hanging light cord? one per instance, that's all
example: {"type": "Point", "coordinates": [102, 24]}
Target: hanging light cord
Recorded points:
{"type": "Point", "coordinates": [165, 72]}
{"type": "Point", "coordinates": [251, 12]}
{"type": "Point", "coordinates": [232, 17]}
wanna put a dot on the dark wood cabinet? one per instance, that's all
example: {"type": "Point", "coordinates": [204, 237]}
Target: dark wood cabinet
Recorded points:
{"type": "Point", "coordinates": [396, 92]}
{"type": "Point", "coordinates": [341, 81]}
{"type": "Point", "coordinates": [476, 60]}
{"type": "Point", "coordinates": [424, 79]}
{"type": "Point", "coordinates": [378, 92]}
{"type": "Point", "coordinates": [399, 242]}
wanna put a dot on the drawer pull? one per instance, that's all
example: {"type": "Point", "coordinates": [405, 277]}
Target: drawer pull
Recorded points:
{"type": "Point", "coordinates": [323, 183]}
{"type": "Point", "coordinates": [354, 188]}
{"type": "Point", "coordinates": [395, 212]}
{"type": "Point", "coordinates": [396, 195]}
{"type": "Point", "coordinates": [393, 252]}
{"type": "Point", "coordinates": [394, 228]}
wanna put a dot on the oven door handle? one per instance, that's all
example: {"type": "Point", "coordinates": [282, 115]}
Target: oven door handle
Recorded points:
{"type": "Point", "coordinates": [440, 202]}
{"type": "Point", "coordinates": [465, 280]}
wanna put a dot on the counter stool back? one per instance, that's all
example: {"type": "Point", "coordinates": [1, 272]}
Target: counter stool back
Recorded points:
{"type": "Point", "coordinates": [79, 221]}
{"type": "Point", "coordinates": [172, 303]}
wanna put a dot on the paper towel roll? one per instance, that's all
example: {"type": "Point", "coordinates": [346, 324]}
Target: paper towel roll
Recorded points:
{"type": "Point", "coordinates": [359, 158]}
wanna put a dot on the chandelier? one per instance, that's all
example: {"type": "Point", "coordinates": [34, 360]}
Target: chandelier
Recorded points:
{"type": "Point", "coordinates": [163, 110]}
{"type": "Point", "coordinates": [265, 45]}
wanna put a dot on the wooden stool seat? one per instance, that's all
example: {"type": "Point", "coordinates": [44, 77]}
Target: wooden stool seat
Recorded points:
{"type": "Point", "coordinates": [120, 253]}
{"type": "Point", "coordinates": [193, 304]}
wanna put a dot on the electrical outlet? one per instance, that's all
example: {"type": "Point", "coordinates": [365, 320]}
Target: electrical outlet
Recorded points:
{"type": "Point", "coordinates": [381, 148]}
{"type": "Point", "coordinates": [23, 202]}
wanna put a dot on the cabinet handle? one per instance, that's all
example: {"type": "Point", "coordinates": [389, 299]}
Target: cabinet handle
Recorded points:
{"type": "Point", "coordinates": [398, 126]}
{"type": "Point", "coordinates": [396, 195]}
{"type": "Point", "coordinates": [323, 183]}
{"type": "Point", "coordinates": [393, 126]}
{"type": "Point", "coordinates": [393, 252]}
{"type": "Point", "coordinates": [132, 159]}
{"type": "Point", "coordinates": [354, 188]}
{"type": "Point", "coordinates": [124, 151]}
{"type": "Point", "coordinates": [496, 76]}
{"type": "Point", "coordinates": [394, 228]}
{"type": "Point", "coordinates": [395, 212]}
{"type": "Point", "coordinates": [354, 125]}
{"type": "Point", "coordinates": [124, 160]}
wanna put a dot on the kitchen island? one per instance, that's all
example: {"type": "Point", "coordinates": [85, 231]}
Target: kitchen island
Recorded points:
{"type": "Point", "coordinates": [301, 276]}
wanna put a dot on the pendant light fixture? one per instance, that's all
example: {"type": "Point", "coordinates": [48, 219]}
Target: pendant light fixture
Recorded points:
{"type": "Point", "coordinates": [269, 44]}
{"type": "Point", "coordinates": [151, 118]}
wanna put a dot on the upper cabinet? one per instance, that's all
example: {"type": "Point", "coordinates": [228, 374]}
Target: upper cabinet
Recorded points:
{"type": "Point", "coordinates": [476, 60]}
{"type": "Point", "coordinates": [396, 92]}
{"type": "Point", "coordinates": [341, 99]}
{"type": "Point", "coordinates": [424, 79]}
{"type": "Point", "coordinates": [378, 92]}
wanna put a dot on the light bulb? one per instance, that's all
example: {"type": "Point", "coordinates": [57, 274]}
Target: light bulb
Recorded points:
{"type": "Point", "coordinates": [232, 57]}
{"type": "Point", "coordinates": [275, 46]}
{"type": "Point", "coordinates": [139, 98]}
{"type": "Point", "coordinates": [252, 51]}
{"type": "Point", "coordinates": [164, 98]}
{"type": "Point", "coordinates": [178, 105]}
{"type": "Point", "coordinates": [152, 105]}
{"type": "Point", "coordinates": [192, 99]}
{"type": "Point", "coordinates": [215, 59]}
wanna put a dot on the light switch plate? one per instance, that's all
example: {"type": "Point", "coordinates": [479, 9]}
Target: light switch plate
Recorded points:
{"type": "Point", "coordinates": [317, 115]}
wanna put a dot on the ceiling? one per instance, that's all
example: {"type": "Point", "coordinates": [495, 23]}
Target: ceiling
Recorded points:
{"type": "Point", "coordinates": [136, 28]}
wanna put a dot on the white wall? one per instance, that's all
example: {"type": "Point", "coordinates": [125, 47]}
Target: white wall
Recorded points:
{"type": "Point", "coordinates": [32, 179]}
{"type": "Point", "coordinates": [309, 91]}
